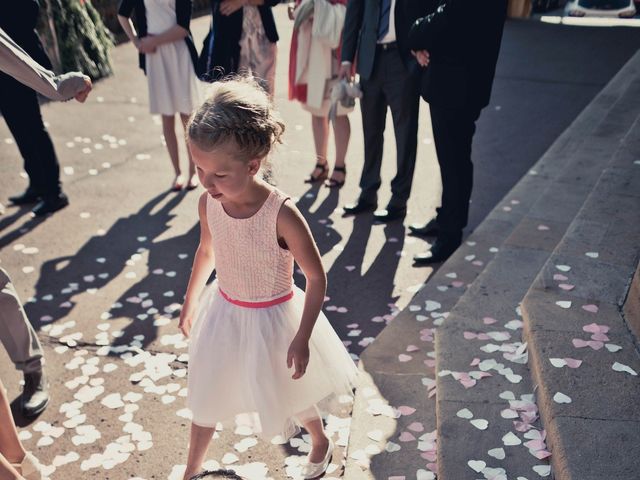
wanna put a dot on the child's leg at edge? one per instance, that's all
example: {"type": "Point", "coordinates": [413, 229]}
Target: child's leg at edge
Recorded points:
{"type": "Point", "coordinates": [198, 444]}
{"type": "Point", "coordinates": [312, 423]}
{"type": "Point", "coordinates": [169, 131]}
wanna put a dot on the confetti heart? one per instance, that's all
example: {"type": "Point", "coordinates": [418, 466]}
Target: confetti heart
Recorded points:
{"type": "Point", "coordinates": [590, 308]}
{"type": "Point", "coordinates": [480, 423]}
{"type": "Point", "coordinates": [497, 453]}
{"type": "Point", "coordinates": [416, 427]}
{"type": "Point", "coordinates": [613, 348]}
{"type": "Point", "coordinates": [510, 440]}
{"type": "Point", "coordinates": [564, 304]}
{"type": "Point", "coordinates": [542, 470]}
{"type": "Point", "coordinates": [566, 287]}
{"type": "Point", "coordinates": [560, 277]}
{"type": "Point", "coordinates": [406, 437]}
{"type": "Point", "coordinates": [404, 358]}
{"type": "Point", "coordinates": [405, 410]}
{"type": "Point", "coordinates": [560, 397]}
{"type": "Point", "coordinates": [620, 367]}
{"type": "Point", "coordinates": [465, 413]}
{"type": "Point", "coordinates": [392, 447]}
{"type": "Point", "coordinates": [563, 268]}
{"type": "Point", "coordinates": [476, 465]}
{"type": "Point", "coordinates": [558, 362]}
{"type": "Point", "coordinates": [592, 254]}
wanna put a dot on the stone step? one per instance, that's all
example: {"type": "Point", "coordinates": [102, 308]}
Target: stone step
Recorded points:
{"type": "Point", "coordinates": [591, 413]}
{"type": "Point", "coordinates": [489, 312]}
{"type": "Point", "coordinates": [398, 368]}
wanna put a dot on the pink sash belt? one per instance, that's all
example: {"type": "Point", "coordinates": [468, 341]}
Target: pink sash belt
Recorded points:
{"type": "Point", "coordinates": [268, 303]}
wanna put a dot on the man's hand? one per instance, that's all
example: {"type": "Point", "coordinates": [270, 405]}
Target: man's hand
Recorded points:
{"type": "Point", "coordinates": [82, 96]}
{"type": "Point", "coordinates": [298, 356]}
{"type": "Point", "coordinates": [345, 72]}
{"type": "Point", "coordinates": [422, 56]}
{"type": "Point", "coordinates": [227, 7]}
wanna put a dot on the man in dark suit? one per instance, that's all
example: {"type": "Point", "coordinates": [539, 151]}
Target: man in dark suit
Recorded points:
{"type": "Point", "coordinates": [375, 32]}
{"type": "Point", "coordinates": [459, 44]}
{"type": "Point", "coordinates": [20, 108]}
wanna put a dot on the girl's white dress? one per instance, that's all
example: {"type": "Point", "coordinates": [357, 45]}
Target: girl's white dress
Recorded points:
{"type": "Point", "coordinates": [237, 354]}
{"type": "Point", "coordinates": [173, 85]}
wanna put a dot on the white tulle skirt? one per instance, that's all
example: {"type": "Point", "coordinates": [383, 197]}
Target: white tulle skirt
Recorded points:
{"type": "Point", "coordinates": [238, 366]}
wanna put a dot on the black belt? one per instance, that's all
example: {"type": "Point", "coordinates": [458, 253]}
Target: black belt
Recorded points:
{"type": "Point", "coordinates": [387, 46]}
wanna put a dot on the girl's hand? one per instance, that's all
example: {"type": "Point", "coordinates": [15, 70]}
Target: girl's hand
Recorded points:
{"type": "Point", "coordinates": [298, 356]}
{"type": "Point", "coordinates": [290, 10]}
{"type": "Point", "coordinates": [186, 318]}
{"type": "Point", "coordinates": [227, 7]}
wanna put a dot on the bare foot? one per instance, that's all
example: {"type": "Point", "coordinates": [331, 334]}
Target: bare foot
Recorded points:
{"type": "Point", "coordinates": [319, 450]}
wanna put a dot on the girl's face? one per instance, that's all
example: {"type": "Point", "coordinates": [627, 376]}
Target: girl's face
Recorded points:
{"type": "Point", "coordinates": [224, 177]}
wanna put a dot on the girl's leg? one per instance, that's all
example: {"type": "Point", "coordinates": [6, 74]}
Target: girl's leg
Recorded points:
{"type": "Point", "coordinates": [7, 472]}
{"type": "Point", "coordinates": [169, 131]}
{"type": "Point", "coordinates": [320, 127]}
{"type": "Point", "coordinates": [198, 444]}
{"type": "Point", "coordinates": [193, 178]}
{"type": "Point", "coordinates": [342, 134]}
{"type": "Point", "coordinates": [312, 422]}
{"type": "Point", "coordinates": [10, 447]}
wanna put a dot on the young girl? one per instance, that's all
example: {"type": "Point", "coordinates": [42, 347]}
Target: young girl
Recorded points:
{"type": "Point", "coordinates": [168, 57]}
{"type": "Point", "coordinates": [260, 346]}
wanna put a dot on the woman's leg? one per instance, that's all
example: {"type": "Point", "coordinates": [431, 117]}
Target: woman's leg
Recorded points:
{"type": "Point", "coordinates": [193, 178]}
{"type": "Point", "coordinates": [198, 444]}
{"type": "Point", "coordinates": [342, 134]}
{"type": "Point", "coordinates": [320, 127]}
{"type": "Point", "coordinates": [169, 131]}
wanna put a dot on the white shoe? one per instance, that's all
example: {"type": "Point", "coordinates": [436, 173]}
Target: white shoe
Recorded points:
{"type": "Point", "coordinates": [30, 468]}
{"type": "Point", "coordinates": [313, 470]}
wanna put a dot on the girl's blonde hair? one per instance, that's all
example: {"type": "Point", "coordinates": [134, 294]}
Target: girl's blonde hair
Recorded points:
{"type": "Point", "coordinates": [238, 114]}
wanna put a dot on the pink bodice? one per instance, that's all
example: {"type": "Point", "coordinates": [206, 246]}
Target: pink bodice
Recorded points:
{"type": "Point", "coordinates": [250, 264]}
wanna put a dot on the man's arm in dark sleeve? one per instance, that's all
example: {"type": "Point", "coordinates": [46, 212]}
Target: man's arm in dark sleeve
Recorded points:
{"type": "Point", "coordinates": [351, 31]}
{"type": "Point", "coordinates": [427, 31]}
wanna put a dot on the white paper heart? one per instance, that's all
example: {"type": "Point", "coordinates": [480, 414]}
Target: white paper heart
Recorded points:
{"type": "Point", "coordinates": [465, 413]}
{"type": "Point", "coordinates": [497, 453]}
{"type": "Point", "coordinates": [480, 423]}
{"type": "Point", "coordinates": [620, 367]}
{"type": "Point", "coordinates": [542, 470]}
{"type": "Point", "coordinates": [612, 347]}
{"type": "Point", "coordinates": [564, 304]}
{"type": "Point", "coordinates": [560, 397]}
{"type": "Point", "coordinates": [510, 439]}
{"type": "Point", "coordinates": [476, 465]}
{"type": "Point", "coordinates": [558, 362]}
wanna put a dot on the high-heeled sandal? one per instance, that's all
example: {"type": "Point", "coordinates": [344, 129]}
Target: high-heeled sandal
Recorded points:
{"type": "Point", "coordinates": [324, 173]}
{"type": "Point", "coordinates": [332, 182]}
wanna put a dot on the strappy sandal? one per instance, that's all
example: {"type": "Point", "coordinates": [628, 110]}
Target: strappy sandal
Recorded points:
{"type": "Point", "coordinates": [332, 182]}
{"type": "Point", "coordinates": [324, 173]}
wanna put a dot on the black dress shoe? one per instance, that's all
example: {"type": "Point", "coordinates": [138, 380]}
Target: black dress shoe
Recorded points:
{"type": "Point", "coordinates": [25, 198]}
{"type": "Point", "coordinates": [439, 252]}
{"type": "Point", "coordinates": [390, 214]}
{"type": "Point", "coordinates": [35, 395]}
{"type": "Point", "coordinates": [360, 207]}
{"type": "Point", "coordinates": [50, 204]}
{"type": "Point", "coordinates": [429, 229]}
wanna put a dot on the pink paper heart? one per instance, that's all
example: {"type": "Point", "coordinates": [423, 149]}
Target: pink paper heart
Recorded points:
{"type": "Point", "coordinates": [600, 336]}
{"type": "Point", "coordinates": [595, 328]}
{"type": "Point", "coordinates": [412, 348]}
{"type": "Point", "coordinates": [416, 427]}
{"type": "Point", "coordinates": [535, 445]}
{"type": "Point", "coordinates": [560, 278]}
{"type": "Point", "coordinates": [406, 437]}
{"type": "Point", "coordinates": [489, 320]}
{"type": "Point", "coordinates": [590, 308]}
{"type": "Point", "coordinates": [405, 410]}
{"type": "Point", "coordinates": [542, 454]}
{"type": "Point", "coordinates": [566, 286]}
{"type": "Point", "coordinates": [430, 362]}
{"type": "Point", "coordinates": [404, 358]}
{"type": "Point", "coordinates": [467, 382]}
{"type": "Point", "coordinates": [572, 362]}
{"type": "Point", "coordinates": [433, 467]}
{"type": "Point", "coordinates": [596, 345]}
{"type": "Point", "coordinates": [429, 456]}
{"type": "Point", "coordinates": [457, 284]}
{"type": "Point", "coordinates": [475, 362]}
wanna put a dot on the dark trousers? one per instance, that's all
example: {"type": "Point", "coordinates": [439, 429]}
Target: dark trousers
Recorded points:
{"type": "Point", "coordinates": [20, 108]}
{"type": "Point", "coordinates": [390, 85]}
{"type": "Point", "coordinates": [453, 131]}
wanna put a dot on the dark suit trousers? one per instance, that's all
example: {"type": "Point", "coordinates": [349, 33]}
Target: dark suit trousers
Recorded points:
{"type": "Point", "coordinates": [20, 108]}
{"type": "Point", "coordinates": [390, 85]}
{"type": "Point", "coordinates": [453, 131]}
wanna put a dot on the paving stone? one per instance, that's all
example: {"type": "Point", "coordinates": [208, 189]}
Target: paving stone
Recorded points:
{"type": "Point", "coordinates": [461, 442]}
{"type": "Point", "coordinates": [592, 449]}
{"type": "Point", "coordinates": [592, 385]}
{"type": "Point", "coordinates": [538, 234]}
{"type": "Point", "coordinates": [593, 280]}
